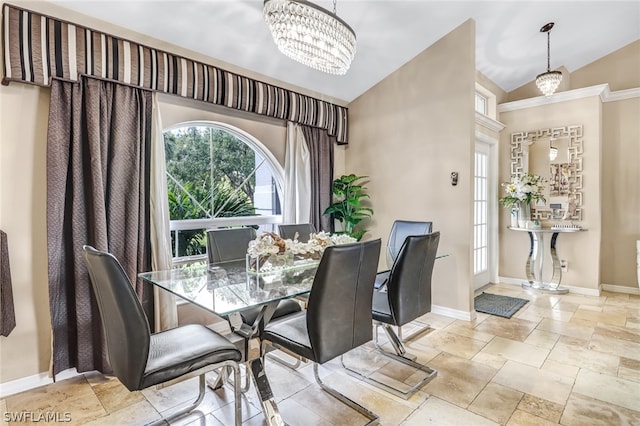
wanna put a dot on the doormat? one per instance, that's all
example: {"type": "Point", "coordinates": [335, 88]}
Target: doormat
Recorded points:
{"type": "Point", "coordinates": [502, 306]}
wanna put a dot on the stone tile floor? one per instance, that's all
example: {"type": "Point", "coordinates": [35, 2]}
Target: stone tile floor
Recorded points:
{"type": "Point", "coordinates": [562, 359]}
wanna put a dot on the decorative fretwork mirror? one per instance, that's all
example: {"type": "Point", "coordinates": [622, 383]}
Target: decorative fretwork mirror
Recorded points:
{"type": "Point", "coordinates": [556, 155]}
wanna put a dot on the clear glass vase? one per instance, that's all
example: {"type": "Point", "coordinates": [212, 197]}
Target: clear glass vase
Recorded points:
{"type": "Point", "coordinates": [513, 217]}
{"type": "Point", "coordinates": [269, 262]}
{"type": "Point", "coordinates": [524, 214]}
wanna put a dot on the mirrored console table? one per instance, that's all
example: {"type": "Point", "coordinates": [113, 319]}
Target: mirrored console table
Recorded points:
{"type": "Point", "coordinates": [535, 263]}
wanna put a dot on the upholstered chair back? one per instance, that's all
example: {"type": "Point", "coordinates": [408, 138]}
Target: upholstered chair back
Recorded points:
{"type": "Point", "coordinates": [228, 244]}
{"type": "Point", "coordinates": [339, 309]}
{"type": "Point", "coordinates": [409, 283]}
{"type": "Point", "coordinates": [304, 230]}
{"type": "Point", "coordinates": [123, 319]}
{"type": "Point", "coordinates": [400, 230]}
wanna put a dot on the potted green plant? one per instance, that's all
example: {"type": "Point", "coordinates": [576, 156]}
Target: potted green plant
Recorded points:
{"type": "Point", "coordinates": [347, 208]}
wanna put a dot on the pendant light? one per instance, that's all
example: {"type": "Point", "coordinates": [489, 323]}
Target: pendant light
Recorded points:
{"type": "Point", "coordinates": [548, 81]}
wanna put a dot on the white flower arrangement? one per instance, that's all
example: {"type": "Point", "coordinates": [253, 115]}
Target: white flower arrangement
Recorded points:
{"type": "Point", "coordinates": [524, 188]}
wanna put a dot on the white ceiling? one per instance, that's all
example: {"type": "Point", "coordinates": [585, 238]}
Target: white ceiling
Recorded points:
{"type": "Point", "coordinates": [510, 49]}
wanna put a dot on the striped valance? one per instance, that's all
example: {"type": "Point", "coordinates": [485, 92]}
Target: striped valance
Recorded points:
{"type": "Point", "coordinates": [39, 47]}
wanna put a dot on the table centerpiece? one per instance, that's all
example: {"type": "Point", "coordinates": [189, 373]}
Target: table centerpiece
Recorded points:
{"type": "Point", "coordinates": [269, 252]}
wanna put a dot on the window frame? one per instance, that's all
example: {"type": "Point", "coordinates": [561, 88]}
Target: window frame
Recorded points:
{"type": "Point", "coordinates": [485, 102]}
{"type": "Point", "coordinates": [277, 171]}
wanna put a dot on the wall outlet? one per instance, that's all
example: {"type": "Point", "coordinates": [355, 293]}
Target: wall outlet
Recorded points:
{"type": "Point", "coordinates": [564, 265]}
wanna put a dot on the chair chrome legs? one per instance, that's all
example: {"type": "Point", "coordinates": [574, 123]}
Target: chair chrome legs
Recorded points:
{"type": "Point", "coordinates": [399, 355]}
{"type": "Point", "coordinates": [292, 365]}
{"type": "Point", "coordinates": [223, 376]}
{"type": "Point", "coordinates": [178, 413]}
{"type": "Point", "coordinates": [236, 396]}
{"type": "Point", "coordinates": [279, 360]}
{"type": "Point", "coordinates": [373, 418]}
{"type": "Point", "coordinates": [424, 328]}
{"type": "Point", "coordinates": [201, 390]}
{"type": "Point", "coordinates": [394, 339]}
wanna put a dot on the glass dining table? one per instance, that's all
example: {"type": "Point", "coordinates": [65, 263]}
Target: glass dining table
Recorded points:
{"type": "Point", "coordinates": [229, 288]}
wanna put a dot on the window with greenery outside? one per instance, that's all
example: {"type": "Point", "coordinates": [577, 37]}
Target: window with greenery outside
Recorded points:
{"type": "Point", "coordinates": [211, 173]}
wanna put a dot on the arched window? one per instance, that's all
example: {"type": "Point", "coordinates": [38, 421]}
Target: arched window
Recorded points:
{"type": "Point", "coordinates": [217, 176]}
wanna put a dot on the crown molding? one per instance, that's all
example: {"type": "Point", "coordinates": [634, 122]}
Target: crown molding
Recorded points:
{"type": "Point", "coordinates": [621, 95]}
{"type": "Point", "coordinates": [601, 90]}
{"type": "Point", "coordinates": [489, 123]}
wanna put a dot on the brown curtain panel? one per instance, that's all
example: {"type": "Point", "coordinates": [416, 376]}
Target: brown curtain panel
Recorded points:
{"type": "Point", "coordinates": [321, 147]}
{"type": "Point", "coordinates": [7, 311]}
{"type": "Point", "coordinates": [98, 153]}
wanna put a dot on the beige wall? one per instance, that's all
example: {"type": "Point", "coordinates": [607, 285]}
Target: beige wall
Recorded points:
{"type": "Point", "coordinates": [484, 81]}
{"type": "Point", "coordinates": [620, 69]}
{"type": "Point", "coordinates": [620, 192]}
{"type": "Point", "coordinates": [408, 133]}
{"type": "Point", "coordinates": [620, 157]}
{"type": "Point", "coordinates": [581, 250]}
{"type": "Point", "coordinates": [23, 132]}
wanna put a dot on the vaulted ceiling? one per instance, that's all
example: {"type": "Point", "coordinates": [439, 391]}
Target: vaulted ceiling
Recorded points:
{"type": "Point", "coordinates": [510, 50]}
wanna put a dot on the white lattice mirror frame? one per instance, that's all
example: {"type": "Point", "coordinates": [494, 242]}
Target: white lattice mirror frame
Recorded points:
{"type": "Point", "coordinates": [518, 167]}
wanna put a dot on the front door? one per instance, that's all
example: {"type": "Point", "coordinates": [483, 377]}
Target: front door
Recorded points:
{"type": "Point", "coordinates": [483, 216]}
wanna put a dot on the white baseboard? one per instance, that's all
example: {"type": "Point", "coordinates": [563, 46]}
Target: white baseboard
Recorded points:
{"type": "Point", "coordinates": [584, 291]}
{"type": "Point", "coordinates": [572, 289]}
{"type": "Point", "coordinates": [32, 382]}
{"type": "Point", "coordinates": [511, 281]}
{"type": "Point", "coordinates": [453, 313]}
{"type": "Point", "coordinates": [620, 289]}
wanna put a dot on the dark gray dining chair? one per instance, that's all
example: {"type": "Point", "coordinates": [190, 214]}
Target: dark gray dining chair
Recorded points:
{"type": "Point", "coordinates": [407, 296]}
{"type": "Point", "coordinates": [140, 359]}
{"type": "Point", "coordinates": [304, 230]}
{"type": "Point", "coordinates": [228, 244]}
{"type": "Point", "coordinates": [338, 316]}
{"type": "Point", "coordinates": [400, 230]}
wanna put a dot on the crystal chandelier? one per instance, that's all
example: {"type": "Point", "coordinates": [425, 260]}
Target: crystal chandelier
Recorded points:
{"type": "Point", "coordinates": [548, 81]}
{"type": "Point", "coordinates": [311, 35]}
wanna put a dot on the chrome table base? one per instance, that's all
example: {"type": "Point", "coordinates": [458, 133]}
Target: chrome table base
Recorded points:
{"type": "Point", "coordinates": [535, 266]}
{"type": "Point", "coordinates": [535, 262]}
